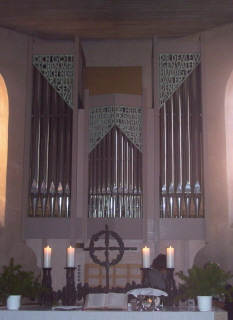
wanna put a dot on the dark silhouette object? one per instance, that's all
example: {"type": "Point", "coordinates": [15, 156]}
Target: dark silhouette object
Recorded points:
{"type": "Point", "coordinates": [160, 262]}
{"type": "Point", "coordinates": [157, 275]}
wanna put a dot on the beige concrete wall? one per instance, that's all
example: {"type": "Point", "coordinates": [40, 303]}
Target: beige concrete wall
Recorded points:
{"type": "Point", "coordinates": [217, 66]}
{"type": "Point", "coordinates": [13, 68]}
{"type": "Point", "coordinates": [122, 54]}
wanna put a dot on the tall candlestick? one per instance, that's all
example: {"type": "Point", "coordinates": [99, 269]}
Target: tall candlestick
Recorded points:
{"type": "Point", "coordinates": [170, 257]}
{"type": "Point", "coordinates": [70, 257]}
{"type": "Point", "coordinates": [146, 257]}
{"type": "Point", "coordinates": [47, 257]}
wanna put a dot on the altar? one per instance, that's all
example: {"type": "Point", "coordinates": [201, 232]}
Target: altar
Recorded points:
{"type": "Point", "coordinates": [167, 313]}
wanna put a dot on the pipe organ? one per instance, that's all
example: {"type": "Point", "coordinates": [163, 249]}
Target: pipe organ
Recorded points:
{"type": "Point", "coordinates": [115, 157]}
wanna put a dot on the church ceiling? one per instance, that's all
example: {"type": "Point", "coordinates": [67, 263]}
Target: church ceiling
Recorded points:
{"type": "Point", "coordinates": [113, 19]}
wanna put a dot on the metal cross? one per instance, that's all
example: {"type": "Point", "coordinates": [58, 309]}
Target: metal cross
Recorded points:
{"type": "Point", "coordinates": [121, 248]}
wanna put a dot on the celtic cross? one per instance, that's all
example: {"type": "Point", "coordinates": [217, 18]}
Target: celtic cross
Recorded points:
{"type": "Point", "coordinates": [107, 263]}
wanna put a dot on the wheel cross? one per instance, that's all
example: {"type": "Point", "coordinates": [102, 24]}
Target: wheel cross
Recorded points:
{"type": "Point", "coordinates": [121, 248]}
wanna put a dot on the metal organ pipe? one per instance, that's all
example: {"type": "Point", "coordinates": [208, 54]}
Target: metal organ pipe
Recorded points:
{"type": "Point", "coordinates": [50, 150]}
{"type": "Point", "coordinates": [119, 168]}
{"type": "Point", "coordinates": [181, 150]}
{"type": "Point", "coordinates": [35, 142]}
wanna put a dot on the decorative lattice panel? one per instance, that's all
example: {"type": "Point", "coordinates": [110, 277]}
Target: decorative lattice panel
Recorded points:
{"type": "Point", "coordinates": [128, 119]}
{"type": "Point", "coordinates": [174, 68]}
{"type": "Point", "coordinates": [58, 70]}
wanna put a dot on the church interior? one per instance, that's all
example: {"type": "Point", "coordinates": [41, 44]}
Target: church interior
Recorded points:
{"type": "Point", "coordinates": [116, 113]}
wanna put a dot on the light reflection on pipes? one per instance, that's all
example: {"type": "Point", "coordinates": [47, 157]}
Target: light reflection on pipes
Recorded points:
{"type": "Point", "coordinates": [187, 189]}
{"type": "Point", "coordinates": [181, 154]}
{"type": "Point", "coordinates": [171, 186]}
{"type": "Point", "coordinates": [179, 191]}
{"type": "Point", "coordinates": [118, 169]}
{"type": "Point", "coordinates": [51, 132]}
{"type": "Point", "coordinates": [164, 146]}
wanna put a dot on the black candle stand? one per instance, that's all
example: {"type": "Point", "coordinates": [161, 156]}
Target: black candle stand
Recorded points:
{"type": "Point", "coordinates": [145, 279]}
{"type": "Point", "coordinates": [170, 287]}
{"type": "Point", "coordinates": [46, 295]}
{"type": "Point", "coordinates": [69, 291]}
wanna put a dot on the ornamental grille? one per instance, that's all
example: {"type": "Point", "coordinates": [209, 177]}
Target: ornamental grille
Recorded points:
{"type": "Point", "coordinates": [58, 70]}
{"type": "Point", "coordinates": [128, 119]}
{"type": "Point", "coordinates": [173, 70]}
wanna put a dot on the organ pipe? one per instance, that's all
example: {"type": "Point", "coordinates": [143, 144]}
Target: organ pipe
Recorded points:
{"type": "Point", "coordinates": [181, 151]}
{"type": "Point", "coordinates": [51, 139]}
{"type": "Point", "coordinates": [118, 166]}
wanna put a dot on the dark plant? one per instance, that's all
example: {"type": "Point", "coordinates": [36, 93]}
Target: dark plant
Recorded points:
{"type": "Point", "coordinates": [209, 281]}
{"type": "Point", "coordinates": [15, 281]}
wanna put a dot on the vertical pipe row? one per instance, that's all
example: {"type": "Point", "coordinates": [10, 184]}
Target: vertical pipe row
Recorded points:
{"type": "Point", "coordinates": [98, 187]}
{"type": "Point", "coordinates": [35, 141]}
{"type": "Point", "coordinates": [90, 186]}
{"type": "Point", "coordinates": [53, 153]}
{"type": "Point", "coordinates": [51, 136]}
{"type": "Point", "coordinates": [44, 144]}
{"type": "Point", "coordinates": [115, 177]}
{"type": "Point", "coordinates": [181, 151]}
{"type": "Point", "coordinates": [179, 192]}
{"type": "Point", "coordinates": [109, 173]}
{"type": "Point", "coordinates": [60, 156]}
{"type": "Point", "coordinates": [68, 157]}
{"type": "Point", "coordinates": [120, 177]}
{"type": "Point", "coordinates": [163, 159]}
{"type": "Point", "coordinates": [103, 170]}
{"type": "Point", "coordinates": [172, 161]}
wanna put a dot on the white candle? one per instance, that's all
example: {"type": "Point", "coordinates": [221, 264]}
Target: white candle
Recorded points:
{"type": "Point", "coordinates": [47, 257]}
{"type": "Point", "coordinates": [70, 257]}
{"type": "Point", "coordinates": [146, 257]}
{"type": "Point", "coordinates": [170, 257]}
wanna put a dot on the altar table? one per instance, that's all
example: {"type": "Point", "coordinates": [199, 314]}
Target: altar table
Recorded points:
{"type": "Point", "coordinates": [168, 313]}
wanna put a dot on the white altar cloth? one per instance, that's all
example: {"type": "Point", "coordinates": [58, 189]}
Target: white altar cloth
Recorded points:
{"type": "Point", "coordinates": [169, 313]}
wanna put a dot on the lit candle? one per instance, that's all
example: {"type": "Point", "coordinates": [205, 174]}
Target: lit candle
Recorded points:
{"type": "Point", "coordinates": [170, 257]}
{"type": "Point", "coordinates": [146, 257]}
{"type": "Point", "coordinates": [70, 257]}
{"type": "Point", "coordinates": [47, 257]}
